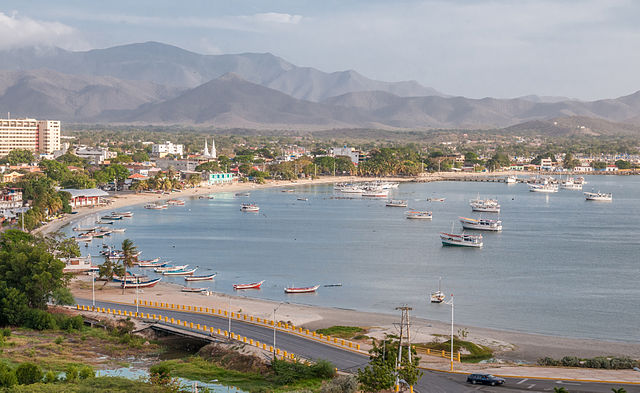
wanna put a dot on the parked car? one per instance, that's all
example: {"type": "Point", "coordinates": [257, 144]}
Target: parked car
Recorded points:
{"type": "Point", "coordinates": [485, 379]}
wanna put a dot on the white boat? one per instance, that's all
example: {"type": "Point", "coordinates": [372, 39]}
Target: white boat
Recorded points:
{"type": "Point", "coordinates": [175, 202]}
{"type": "Point", "coordinates": [242, 194]}
{"type": "Point", "coordinates": [169, 268]}
{"type": "Point", "coordinates": [118, 230]}
{"type": "Point", "coordinates": [435, 199]}
{"type": "Point", "coordinates": [396, 203]}
{"type": "Point", "coordinates": [302, 199]}
{"type": "Point", "coordinates": [580, 180]}
{"type": "Point", "coordinates": [249, 207]}
{"type": "Point", "coordinates": [570, 184]}
{"type": "Point", "coordinates": [180, 272]}
{"type": "Point", "coordinates": [123, 214]}
{"type": "Point", "coordinates": [155, 206]}
{"type": "Point", "coordinates": [419, 215]}
{"type": "Point", "coordinates": [437, 296]}
{"type": "Point", "coordinates": [351, 190]}
{"type": "Point", "coordinates": [481, 224]}
{"type": "Point", "coordinates": [485, 205]}
{"type": "Point", "coordinates": [87, 229]}
{"type": "Point", "coordinates": [598, 196]}
{"type": "Point", "coordinates": [461, 240]}
{"type": "Point", "coordinates": [544, 188]}
{"type": "Point", "coordinates": [375, 193]}
{"type": "Point", "coordinates": [511, 179]}
{"type": "Point", "coordinates": [301, 290]}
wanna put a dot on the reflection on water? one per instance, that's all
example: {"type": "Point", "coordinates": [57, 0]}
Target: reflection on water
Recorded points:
{"type": "Point", "coordinates": [141, 374]}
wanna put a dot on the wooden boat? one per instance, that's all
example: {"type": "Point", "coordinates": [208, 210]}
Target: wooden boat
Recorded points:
{"type": "Point", "coordinates": [123, 214]}
{"type": "Point", "coordinates": [201, 278]}
{"type": "Point", "coordinates": [193, 290]}
{"type": "Point", "coordinates": [289, 190]}
{"type": "Point", "coordinates": [143, 284]}
{"type": "Point", "coordinates": [437, 296]}
{"type": "Point", "coordinates": [155, 206]}
{"type": "Point", "coordinates": [147, 261]}
{"type": "Point", "coordinates": [419, 215]}
{"type": "Point", "coordinates": [598, 196]}
{"type": "Point", "coordinates": [153, 263]}
{"type": "Point", "coordinates": [396, 203]}
{"type": "Point", "coordinates": [84, 238]}
{"type": "Point", "coordinates": [301, 290]}
{"type": "Point", "coordinates": [302, 199]}
{"type": "Point", "coordinates": [180, 272]}
{"type": "Point", "coordinates": [481, 224]}
{"type": "Point", "coordinates": [255, 285]}
{"type": "Point", "coordinates": [242, 194]}
{"type": "Point", "coordinates": [249, 207]}
{"type": "Point", "coordinates": [175, 202]}
{"type": "Point", "coordinates": [462, 240]}
{"type": "Point", "coordinates": [169, 268]}
{"type": "Point", "coordinates": [88, 229]}
{"type": "Point", "coordinates": [111, 217]}
{"type": "Point", "coordinates": [118, 230]}
{"type": "Point", "coordinates": [435, 199]}
{"type": "Point", "coordinates": [375, 193]}
{"type": "Point", "coordinates": [131, 279]}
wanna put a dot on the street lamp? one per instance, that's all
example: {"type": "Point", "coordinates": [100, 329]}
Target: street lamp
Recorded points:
{"type": "Point", "coordinates": [229, 315]}
{"type": "Point", "coordinates": [450, 302]}
{"type": "Point", "coordinates": [93, 288]}
{"type": "Point", "coordinates": [274, 327]}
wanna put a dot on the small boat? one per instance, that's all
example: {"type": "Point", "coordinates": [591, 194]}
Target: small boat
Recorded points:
{"type": "Point", "coordinates": [481, 224]}
{"type": "Point", "coordinates": [104, 222]}
{"type": "Point", "coordinates": [170, 268]}
{"type": "Point", "coordinates": [419, 215]}
{"type": "Point", "coordinates": [462, 240]}
{"type": "Point", "coordinates": [301, 290]}
{"type": "Point", "coordinates": [143, 284]}
{"type": "Point", "coordinates": [485, 205]}
{"type": "Point", "coordinates": [84, 238]}
{"type": "Point", "coordinates": [302, 199]}
{"type": "Point", "coordinates": [175, 202]}
{"type": "Point", "coordinates": [435, 199]}
{"type": "Point", "coordinates": [180, 272]}
{"type": "Point", "coordinates": [570, 184]}
{"type": "Point", "coordinates": [249, 207]}
{"type": "Point", "coordinates": [511, 179]}
{"type": "Point", "coordinates": [396, 203]}
{"type": "Point", "coordinates": [153, 263]}
{"type": "Point", "coordinates": [598, 196]}
{"type": "Point", "coordinates": [111, 217]}
{"type": "Point", "coordinates": [289, 190]}
{"type": "Point", "coordinates": [437, 296]}
{"type": "Point", "coordinates": [195, 290]}
{"type": "Point", "coordinates": [146, 261]}
{"type": "Point", "coordinates": [375, 193]}
{"type": "Point", "coordinates": [118, 230]}
{"type": "Point", "coordinates": [242, 194]}
{"type": "Point", "coordinates": [131, 278]}
{"type": "Point", "coordinates": [201, 278]}
{"type": "Point", "coordinates": [155, 206]}
{"type": "Point", "coordinates": [255, 285]}
{"type": "Point", "coordinates": [332, 285]}
{"type": "Point", "coordinates": [88, 229]}
{"type": "Point", "coordinates": [545, 188]}
{"type": "Point", "coordinates": [123, 214]}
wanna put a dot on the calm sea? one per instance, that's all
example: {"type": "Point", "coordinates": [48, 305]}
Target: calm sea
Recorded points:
{"type": "Point", "coordinates": [561, 265]}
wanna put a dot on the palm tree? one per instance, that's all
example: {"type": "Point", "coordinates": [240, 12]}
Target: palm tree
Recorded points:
{"type": "Point", "coordinates": [129, 255]}
{"type": "Point", "coordinates": [619, 390]}
{"type": "Point", "coordinates": [560, 390]}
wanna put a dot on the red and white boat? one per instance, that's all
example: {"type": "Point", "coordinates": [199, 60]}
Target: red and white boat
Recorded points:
{"type": "Point", "coordinates": [255, 285]}
{"type": "Point", "coordinates": [461, 240]}
{"type": "Point", "coordinates": [154, 260]}
{"type": "Point", "coordinates": [142, 284]}
{"type": "Point", "coordinates": [201, 278]}
{"type": "Point", "coordinates": [302, 289]}
{"type": "Point", "coordinates": [169, 268]}
{"type": "Point", "coordinates": [250, 207]}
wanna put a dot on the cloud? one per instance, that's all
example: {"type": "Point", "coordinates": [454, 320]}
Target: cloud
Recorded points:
{"type": "Point", "coordinates": [274, 17]}
{"type": "Point", "coordinates": [17, 31]}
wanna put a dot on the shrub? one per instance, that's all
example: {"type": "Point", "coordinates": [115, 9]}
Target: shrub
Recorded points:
{"type": "Point", "coordinates": [570, 361]}
{"type": "Point", "coordinates": [71, 373]}
{"type": "Point", "coordinates": [86, 372]}
{"type": "Point", "coordinates": [50, 377]}
{"type": "Point", "coordinates": [28, 373]}
{"type": "Point", "coordinates": [69, 323]}
{"type": "Point", "coordinates": [341, 384]}
{"type": "Point", "coordinates": [160, 374]}
{"type": "Point", "coordinates": [323, 369]}
{"type": "Point", "coordinates": [547, 361]}
{"type": "Point", "coordinates": [7, 376]}
{"type": "Point", "coordinates": [39, 320]}
{"type": "Point", "coordinates": [59, 340]}
{"type": "Point", "coordinates": [5, 332]}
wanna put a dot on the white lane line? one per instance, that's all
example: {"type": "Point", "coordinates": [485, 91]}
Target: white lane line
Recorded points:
{"type": "Point", "coordinates": [531, 386]}
{"type": "Point", "coordinates": [518, 383]}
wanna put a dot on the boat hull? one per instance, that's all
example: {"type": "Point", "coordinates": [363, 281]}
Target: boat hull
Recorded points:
{"type": "Point", "coordinates": [302, 290]}
{"type": "Point", "coordinates": [200, 278]}
{"type": "Point", "coordinates": [255, 285]}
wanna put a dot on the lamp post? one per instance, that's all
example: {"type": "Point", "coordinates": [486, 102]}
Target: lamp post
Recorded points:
{"type": "Point", "coordinates": [229, 315]}
{"type": "Point", "coordinates": [93, 288]}
{"type": "Point", "coordinates": [274, 327]}
{"type": "Point", "coordinates": [450, 302]}
{"type": "Point", "coordinates": [137, 289]}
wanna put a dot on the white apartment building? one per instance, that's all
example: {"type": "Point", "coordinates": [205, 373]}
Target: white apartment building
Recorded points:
{"type": "Point", "coordinates": [39, 136]}
{"type": "Point", "coordinates": [95, 155]}
{"type": "Point", "coordinates": [350, 152]}
{"type": "Point", "coordinates": [162, 149]}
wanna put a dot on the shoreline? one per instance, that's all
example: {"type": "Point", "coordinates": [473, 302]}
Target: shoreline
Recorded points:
{"type": "Point", "coordinates": [512, 346]}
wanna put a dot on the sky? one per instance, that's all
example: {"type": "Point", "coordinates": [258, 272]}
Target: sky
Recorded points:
{"type": "Point", "coordinates": [586, 49]}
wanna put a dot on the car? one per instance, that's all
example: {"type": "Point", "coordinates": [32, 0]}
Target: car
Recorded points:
{"type": "Point", "coordinates": [485, 379]}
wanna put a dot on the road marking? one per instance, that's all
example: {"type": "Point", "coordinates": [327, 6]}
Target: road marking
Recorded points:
{"type": "Point", "coordinates": [526, 379]}
{"type": "Point", "coordinates": [567, 383]}
{"type": "Point", "coordinates": [531, 386]}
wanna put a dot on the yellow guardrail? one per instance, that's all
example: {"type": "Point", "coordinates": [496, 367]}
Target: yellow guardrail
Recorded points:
{"type": "Point", "coordinates": [442, 353]}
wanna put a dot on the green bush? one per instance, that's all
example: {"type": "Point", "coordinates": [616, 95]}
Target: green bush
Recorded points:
{"type": "Point", "coordinates": [547, 361]}
{"type": "Point", "coordinates": [323, 369]}
{"type": "Point", "coordinates": [69, 323]}
{"type": "Point", "coordinates": [570, 361]}
{"type": "Point", "coordinates": [71, 373]}
{"type": "Point", "coordinates": [5, 332]}
{"type": "Point", "coordinates": [39, 320]}
{"type": "Point", "coordinates": [86, 372]}
{"type": "Point", "coordinates": [7, 376]}
{"type": "Point", "coordinates": [59, 340]}
{"type": "Point", "coordinates": [50, 377]}
{"type": "Point", "coordinates": [160, 374]}
{"type": "Point", "coordinates": [341, 384]}
{"type": "Point", "coordinates": [28, 373]}
{"type": "Point", "coordinates": [286, 373]}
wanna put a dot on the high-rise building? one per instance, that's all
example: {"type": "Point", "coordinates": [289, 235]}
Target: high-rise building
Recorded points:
{"type": "Point", "coordinates": [39, 136]}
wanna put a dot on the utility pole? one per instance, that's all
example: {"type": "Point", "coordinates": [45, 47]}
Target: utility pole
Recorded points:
{"type": "Point", "coordinates": [406, 337]}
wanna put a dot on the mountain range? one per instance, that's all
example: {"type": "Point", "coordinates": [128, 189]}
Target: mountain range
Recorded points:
{"type": "Point", "coordinates": [154, 83]}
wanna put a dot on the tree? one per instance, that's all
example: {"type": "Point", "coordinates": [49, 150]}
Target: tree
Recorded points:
{"type": "Point", "coordinates": [20, 156]}
{"type": "Point", "coordinates": [381, 372]}
{"type": "Point", "coordinates": [210, 166]}
{"type": "Point", "coordinates": [54, 170]}
{"type": "Point", "coordinates": [619, 390]}
{"type": "Point", "coordinates": [129, 255]}
{"type": "Point", "coordinates": [598, 164]}
{"type": "Point", "coordinates": [28, 373]}
{"type": "Point", "coordinates": [569, 162]}
{"type": "Point", "coordinates": [140, 156]}
{"type": "Point", "coordinates": [71, 159]}
{"type": "Point", "coordinates": [622, 164]}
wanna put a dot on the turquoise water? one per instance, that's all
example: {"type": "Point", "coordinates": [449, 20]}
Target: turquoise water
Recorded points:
{"type": "Point", "coordinates": [561, 265]}
{"type": "Point", "coordinates": [142, 374]}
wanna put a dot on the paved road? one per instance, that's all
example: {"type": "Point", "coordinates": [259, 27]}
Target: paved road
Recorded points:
{"type": "Point", "coordinates": [431, 382]}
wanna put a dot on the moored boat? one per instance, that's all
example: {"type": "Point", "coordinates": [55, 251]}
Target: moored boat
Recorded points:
{"type": "Point", "coordinates": [544, 188]}
{"type": "Point", "coordinates": [142, 284]}
{"type": "Point", "coordinates": [175, 202]}
{"type": "Point", "coordinates": [302, 199]}
{"type": "Point", "coordinates": [462, 240]}
{"type": "Point", "coordinates": [435, 199]}
{"type": "Point", "coordinates": [481, 224]}
{"type": "Point", "coordinates": [485, 205]}
{"type": "Point", "coordinates": [598, 196]}
{"type": "Point", "coordinates": [250, 207]}
{"type": "Point", "coordinates": [170, 268]}
{"type": "Point", "coordinates": [301, 289]}
{"type": "Point", "coordinates": [201, 278]}
{"type": "Point", "coordinates": [437, 296]}
{"type": "Point", "coordinates": [123, 214]}
{"type": "Point", "coordinates": [180, 272]}
{"type": "Point", "coordinates": [511, 179]}
{"type": "Point", "coordinates": [111, 217]}
{"type": "Point", "coordinates": [375, 193]}
{"type": "Point", "coordinates": [195, 290]}
{"type": "Point", "coordinates": [254, 285]}
{"type": "Point", "coordinates": [242, 194]}
{"type": "Point", "coordinates": [419, 215]}
{"type": "Point", "coordinates": [87, 229]}
{"type": "Point", "coordinates": [396, 203]}
{"type": "Point", "coordinates": [156, 206]}
{"type": "Point", "coordinates": [570, 184]}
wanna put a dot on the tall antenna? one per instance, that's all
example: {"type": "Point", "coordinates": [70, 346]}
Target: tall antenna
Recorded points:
{"type": "Point", "coordinates": [405, 338]}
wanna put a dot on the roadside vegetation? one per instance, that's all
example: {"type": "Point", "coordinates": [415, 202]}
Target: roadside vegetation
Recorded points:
{"type": "Point", "coordinates": [469, 352]}
{"type": "Point", "coordinates": [346, 332]}
{"type": "Point", "coordinates": [602, 362]}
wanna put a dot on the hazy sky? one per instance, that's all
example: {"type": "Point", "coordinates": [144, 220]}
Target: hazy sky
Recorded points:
{"type": "Point", "coordinates": [502, 48]}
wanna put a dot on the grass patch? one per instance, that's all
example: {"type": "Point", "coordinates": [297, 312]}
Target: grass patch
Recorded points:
{"type": "Point", "coordinates": [95, 385]}
{"type": "Point", "coordinates": [346, 332]}
{"type": "Point", "coordinates": [476, 352]}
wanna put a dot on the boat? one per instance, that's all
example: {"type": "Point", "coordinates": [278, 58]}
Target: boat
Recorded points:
{"type": "Point", "coordinates": [195, 290]}
{"type": "Point", "coordinates": [289, 190]}
{"type": "Point", "coordinates": [435, 199]}
{"type": "Point", "coordinates": [419, 215]}
{"type": "Point", "coordinates": [155, 206]}
{"type": "Point", "coordinates": [301, 290]}
{"type": "Point", "coordinates": [249, 207]}
{"type": "Point", "coordinates": [545, 188]}
{"type": "Point", "coordinates": [338, 284]}
{"type": "Point", "coordinates": [201, 278]}
{"type": "Point", "coordinates": [481, 224]}
{"type": "Point", "coordinates": [580, 180]}
{"type": "Point", "coordinates": [123, 214]}
{"type": "Point", "coordinates": [598, 196]}
{"type": "Point", "coordinates": [118, 230]}
{"type": "Point", "coordinates": [462, 240]}
{"type": "Point", "coordinates": [180, 272]}
{"type": "Point", "coordinates": [84, 238]}
{"type": "Point", "coordinates": [255, 285]}
{"type": "Point", "coordinates": [351, 189]}
{"type": "Point", "coordinates": [131, 278]}
{"type": "Point", "coordinates": [396, 203]}
{"type": "Point", "coordinates": [302, 199]}
{"type": "Point", "coordinates": [170, 268]}
{"type": "Point", "coordinates": [175, 202]}
{"type": "Point", "coordinates": [511, 179]}
{"type": "Point", "coordinates": [111, 217]}
{"type": "Point", "coordinates": [143, 284]}
{"type": "Point", "coordinates": [437, 296]}
{"type": "Point", "coordinates": [375, 193]}
{"type": "Point", "coordinates": [87, 229]}
{"type": "Point", "coordinates": [242, 194]}
{"type": "Point", "coordinates": [485, 205]}
{"type": "Point", "coordinates": [570, 184]}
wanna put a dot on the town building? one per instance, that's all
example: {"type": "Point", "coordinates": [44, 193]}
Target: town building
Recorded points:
{"type": "Point", "coordinates": [11, 204]}
{"type": "Point", "coordinates": [11, 177]}
{"type": "Point", "coordinates": [95, 155]}
{"type": "Point", "coordinates": [350, 152]}
{"type": "Point", "coordinates": [88, 197]}
{"type": "Point", "coordinates": [177, 165]}
{"type": "Point", "coordinates": [39, 136]}
{"type": "Point", "coordinates": [163, 149]}
{"type": "Point", "coordinates": [220, 178]}
{"type": "Point", "coordinates": [213, 153]}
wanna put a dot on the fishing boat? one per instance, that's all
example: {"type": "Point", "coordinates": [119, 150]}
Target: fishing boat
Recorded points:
{"type": "Point", "coordinates": [84, 238]}
{"type": "Point", "coordinates": [289, 190]}
{"type": "Point", "coordinates": [123, 214]}
{"type": "Point", "coordinates": [437, 296]}
{"type": "Point", "coordinates": [249, 207]}
{"type": "Point", "coordinates": [201, 278]}
{"type": "Point", "coordinates": [242, 194]}
{"type": "Point", "coordinates": [462, 240]}
{"type": "Point", "coordinates": [485, 205]}
{"type": "Point", "coordinates": [111, 217]}
{"type": "Point", "coordinates": [396, 203]}
{"type": "Point", "coordinates": [435, 199]}
{"type": "Point", "coordinates": [544, 188]}
{"type": "Point", "coordinates": [175, 202]}
{"type": "Point", "coordinates": [351, 189]}
{"type": "Point", "coordinates": [302, 199]}
{"type": "Point", "coordinates": [170, 268]}
{"type": "Point", "coordinates": [419, 215]}
{"type": "Point", "coordinates": [254, 285]}
{"type": "Point", "coordinates": [511, 179]}
{"type": "Point", "coordinates": [194, 290]}
{"type": "Point", "coordinates": [481, 224]}
{"type": "Point", "coordinates": [118, 230]}
{"type": "Point", "coordinates": [301, 290]}
{"type": "Point", "coordinates": [570, 184]}
{"type": "Point", "coordinates": [598, 196]}
{"type": "Point", "coordinates": [131, 278]}
{"type": "Point", "coordinates": [143, 284]}
{"type": "Point", "coordinates": [375, 193]}
{"type": "Point", "coordinates": [155, 206]}
{"type": "Point", "coordinates": [180, 272]}
{"type": "Point", "coordinates": [116, 255]}
{"type": "Point", "coordinates": [87, 229]}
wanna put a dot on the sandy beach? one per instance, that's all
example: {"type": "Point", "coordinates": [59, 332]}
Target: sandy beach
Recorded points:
{"type": "Point", "coordinates": [509, 346]}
